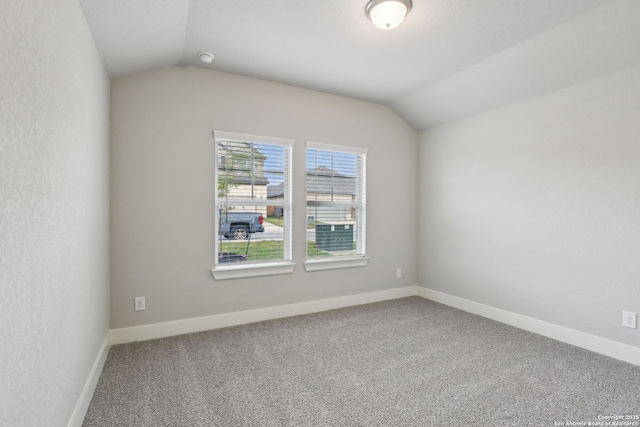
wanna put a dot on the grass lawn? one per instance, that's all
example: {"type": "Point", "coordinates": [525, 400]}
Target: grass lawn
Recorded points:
{"type": "Point", "coordinates": [263, 250]}
{"type": "Point", "coordinates": [277, 220]}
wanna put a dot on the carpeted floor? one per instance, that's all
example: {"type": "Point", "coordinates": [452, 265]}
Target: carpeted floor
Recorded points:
{"type": "Point", "coordinates": [407, 362]}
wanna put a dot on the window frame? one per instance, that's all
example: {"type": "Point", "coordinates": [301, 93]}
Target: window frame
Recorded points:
{"type": "Point", "coordinates": [360, 258]}
{"type": "Point", "coordinates": [222, 271]}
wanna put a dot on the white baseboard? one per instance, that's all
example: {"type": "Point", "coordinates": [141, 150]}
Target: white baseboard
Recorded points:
{"type": "Point", "coordinates": [594, 343]}
{"type": "Point", "coordinates": [80, 411]}
{"type": "Point", "coordinates": [186, 326]}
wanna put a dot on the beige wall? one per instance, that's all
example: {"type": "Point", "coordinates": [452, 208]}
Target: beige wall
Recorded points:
{"type": "Point", "coordinates": [242, 191]}
{"type": "Point", "coordinates": [534, 208]}
{"type": "Point", "coordinates": [54, 213]}
{"type": "Point", "coordinates": [162, 160]}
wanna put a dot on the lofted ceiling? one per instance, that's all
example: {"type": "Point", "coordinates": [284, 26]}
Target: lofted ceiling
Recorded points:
{"type": "Point", "coordinates": [449, 59]}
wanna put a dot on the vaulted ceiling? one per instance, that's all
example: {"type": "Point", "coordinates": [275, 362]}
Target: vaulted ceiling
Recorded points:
{"type": "Point", "coordinates": [449, 59]}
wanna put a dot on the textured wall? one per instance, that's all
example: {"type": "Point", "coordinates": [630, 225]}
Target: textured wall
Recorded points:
{"type": "Point", "coordinates": [535, 208]}
{"type": "Point", "coordinates": [54, 297]}
{"type": "Point", "coordinates": [162, 211]}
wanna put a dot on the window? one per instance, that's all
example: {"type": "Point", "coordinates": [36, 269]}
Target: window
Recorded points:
{"type": "Point", "coordinates": [253, 205]}
{"type": "Point", "coordinates": [336, 206]}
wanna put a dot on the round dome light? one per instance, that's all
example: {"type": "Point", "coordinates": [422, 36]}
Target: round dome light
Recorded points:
{"type": "Point", "coordinates": [387, 14]}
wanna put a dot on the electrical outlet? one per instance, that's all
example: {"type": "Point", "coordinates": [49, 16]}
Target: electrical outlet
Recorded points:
{"type": "Point", "coordinates": [629, 319]}
{"type": "Point", "coordinates": [139, 304]}
{"type": "Point", "coordinates": [399, 273]}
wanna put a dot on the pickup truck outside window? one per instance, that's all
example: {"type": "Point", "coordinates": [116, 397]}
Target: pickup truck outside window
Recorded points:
{"type": "Point", "coordinates": [253, 222]}
{"type": "Point", "coordinates": [238, 225]}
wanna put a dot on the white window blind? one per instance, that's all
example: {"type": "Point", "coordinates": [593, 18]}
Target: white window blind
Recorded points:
{"type": "Point", "coordinates": [336, 201]}
{"type": "Point", "coordinates": [253, 199]}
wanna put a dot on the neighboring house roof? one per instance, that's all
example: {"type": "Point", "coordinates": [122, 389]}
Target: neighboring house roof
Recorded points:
{"type": "Point", "coordinates": [321, 180]}
{"type": "Point", "coordinates": [274, 191]}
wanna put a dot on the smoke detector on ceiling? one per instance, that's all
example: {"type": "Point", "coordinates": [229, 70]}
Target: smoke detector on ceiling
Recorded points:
{"type": "Point", "coordinates": [206, 57]}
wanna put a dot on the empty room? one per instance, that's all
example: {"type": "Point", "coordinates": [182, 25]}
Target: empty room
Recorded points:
{"type": "Point", "coordinates": [334, 213]}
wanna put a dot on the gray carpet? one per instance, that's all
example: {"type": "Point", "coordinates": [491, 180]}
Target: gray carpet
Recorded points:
{"type": "Point", "coordinates": [407, 362]}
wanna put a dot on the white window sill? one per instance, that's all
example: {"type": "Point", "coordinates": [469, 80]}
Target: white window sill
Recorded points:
{"type": "Point", "coordinates": [253, 270]}
{"type": "Point", "coordinates": [330, 264]}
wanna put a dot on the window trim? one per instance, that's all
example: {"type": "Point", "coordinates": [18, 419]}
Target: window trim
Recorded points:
{"type": "Point", "coordinates": [316, 264]}
{"type": "Point", "coordinates": [254, 269]}
{"type": "Point", "coordinates": [357, 260]}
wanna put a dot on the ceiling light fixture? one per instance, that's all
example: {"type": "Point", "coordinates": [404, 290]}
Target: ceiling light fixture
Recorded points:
{"type": "Point", "coordinates": [206, 57]}
{"type": "Point", "coordinates": [387, 14]}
